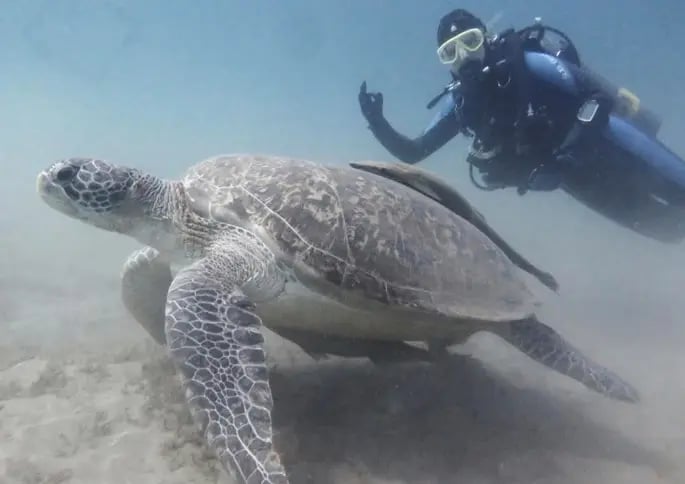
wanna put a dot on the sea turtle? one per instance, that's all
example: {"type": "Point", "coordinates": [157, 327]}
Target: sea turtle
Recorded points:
{"type": "Point", "coordinates": [316, 249]}
{"type": "Point", "coordinates": [438, 190]}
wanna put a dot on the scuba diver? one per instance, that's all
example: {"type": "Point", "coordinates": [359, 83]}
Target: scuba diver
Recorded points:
{"type": "Point", "coordinates": [542, 120]}
{"type": "Point", "coordinates": [494, 105]}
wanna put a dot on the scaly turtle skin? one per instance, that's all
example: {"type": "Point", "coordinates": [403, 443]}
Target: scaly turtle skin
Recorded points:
{"type": "Point", "coordinates": [310, 250]}
{"type": "Point", "coordinates": [438, 190]}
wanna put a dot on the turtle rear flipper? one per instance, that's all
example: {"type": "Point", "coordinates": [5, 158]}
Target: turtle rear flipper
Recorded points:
{"type": "Point", "coordinates": [546, 346]}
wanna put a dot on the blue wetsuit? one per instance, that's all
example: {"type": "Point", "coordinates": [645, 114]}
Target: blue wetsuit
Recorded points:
{"type": "Point", "coordinates": [525, 104]}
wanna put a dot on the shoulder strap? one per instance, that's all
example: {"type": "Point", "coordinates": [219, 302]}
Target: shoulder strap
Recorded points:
{"type": "Point", "coordinates": [539, 37]}
{"type": "Point", "coordinates": [513, 53]}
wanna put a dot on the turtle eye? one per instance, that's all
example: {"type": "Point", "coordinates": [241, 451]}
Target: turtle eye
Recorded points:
{"type": "Point", "coordinates": [66, 173]}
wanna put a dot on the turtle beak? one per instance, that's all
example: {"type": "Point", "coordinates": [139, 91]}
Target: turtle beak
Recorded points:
{"type": "Point", "coordinates": [42, 183]}
{"type": "Point", "coordinates": [53, 195]}
{"type": "Point", "coordinates": [44, 187]}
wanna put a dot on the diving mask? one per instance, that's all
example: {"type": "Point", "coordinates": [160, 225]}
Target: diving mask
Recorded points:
{"type": "Point", "coordinates": [463, 46]}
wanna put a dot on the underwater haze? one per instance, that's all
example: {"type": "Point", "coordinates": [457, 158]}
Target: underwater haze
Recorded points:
{"type": "Point", "coordinates": [85, 396]}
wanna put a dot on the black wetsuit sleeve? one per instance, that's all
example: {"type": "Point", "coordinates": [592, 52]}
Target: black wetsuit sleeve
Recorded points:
{"type": "Point", "coordinates": [415, 150]}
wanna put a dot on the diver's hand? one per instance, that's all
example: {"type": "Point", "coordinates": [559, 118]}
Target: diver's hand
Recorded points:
{"type": "Point", "coordinates": [371, 103]}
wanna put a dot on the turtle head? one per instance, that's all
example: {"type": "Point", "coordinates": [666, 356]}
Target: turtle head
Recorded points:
{"type": "Point", "coordinates": [99, 193]}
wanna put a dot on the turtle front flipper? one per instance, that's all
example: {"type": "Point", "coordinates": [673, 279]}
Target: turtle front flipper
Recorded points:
{"type": "Point", "coordinates": [214, 338]}
{"type": "Point", "coordinates": [546, 346]}
{"type": "Point", "coordinates": [145, 280]}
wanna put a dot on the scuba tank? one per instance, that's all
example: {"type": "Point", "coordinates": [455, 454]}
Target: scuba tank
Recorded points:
{"type": "Point", "coordinates": [627, 105]}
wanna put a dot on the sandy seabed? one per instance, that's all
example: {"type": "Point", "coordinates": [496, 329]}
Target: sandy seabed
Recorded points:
{"type": "Point", "coordinates": [96, 401]}
{"type": "Point", "coordinates": [119, 417]}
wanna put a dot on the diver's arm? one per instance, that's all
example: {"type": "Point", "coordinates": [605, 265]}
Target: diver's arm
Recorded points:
{"type": "Point", "coordinates": [415, 150]}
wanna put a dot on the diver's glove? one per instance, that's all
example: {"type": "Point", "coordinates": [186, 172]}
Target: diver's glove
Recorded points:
{"type": "Point", "coordinates": [371, 104]}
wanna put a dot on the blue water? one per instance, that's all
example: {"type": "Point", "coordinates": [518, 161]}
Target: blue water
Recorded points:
{"type": "Point", "coordinates": [166, 82]}
{"type": "Point", "coordinates": [163, 84]}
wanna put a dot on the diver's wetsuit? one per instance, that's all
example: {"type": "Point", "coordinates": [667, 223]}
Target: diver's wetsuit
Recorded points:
{"type": "Point", "coordinates": [510, 106]}
{"type": "Point", "coordinates": [482, 99]}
